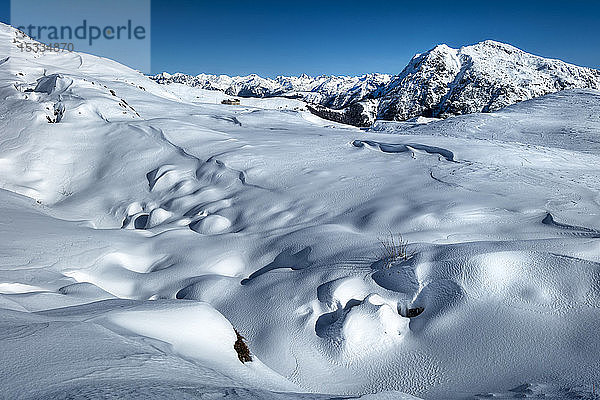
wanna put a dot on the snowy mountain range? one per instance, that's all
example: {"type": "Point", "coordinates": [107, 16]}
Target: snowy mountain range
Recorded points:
{"type": "Point", "coordinates": [439, 83]}
{"type": "Point", "coordinates": [335, 92]}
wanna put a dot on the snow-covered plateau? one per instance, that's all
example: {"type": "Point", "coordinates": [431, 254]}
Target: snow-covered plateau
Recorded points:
{"type": "Point", "coordinates": [142, 225]}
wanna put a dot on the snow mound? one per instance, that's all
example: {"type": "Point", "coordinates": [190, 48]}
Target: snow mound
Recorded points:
{"type": "Point", "coordinates": [211, 225]}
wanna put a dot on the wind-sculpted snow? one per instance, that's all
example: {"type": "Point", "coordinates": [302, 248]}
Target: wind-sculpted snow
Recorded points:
{"type": "Point", "coordinates": [148, 224]}
{"type": "Point", "coordinates": [402, 148]}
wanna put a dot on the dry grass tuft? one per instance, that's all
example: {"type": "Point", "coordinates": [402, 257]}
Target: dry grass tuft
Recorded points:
{"type": "Point", "coordinates": [394, 249]}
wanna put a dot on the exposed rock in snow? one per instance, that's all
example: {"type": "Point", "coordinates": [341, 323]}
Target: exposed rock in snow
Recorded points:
{"type": "Point", "coordinates": [361, 113]}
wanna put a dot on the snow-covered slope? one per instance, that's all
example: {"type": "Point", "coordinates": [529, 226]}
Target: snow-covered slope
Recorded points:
{"type": "Point", "coordinates": [141, 225]}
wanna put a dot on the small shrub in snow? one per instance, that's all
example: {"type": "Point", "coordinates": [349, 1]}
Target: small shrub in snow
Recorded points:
{"type": "Point", "coordinates": [241, 348]}
{"type": "Point", "coordinates": [65, 192]}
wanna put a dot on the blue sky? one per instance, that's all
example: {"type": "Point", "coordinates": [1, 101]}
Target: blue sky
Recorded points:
{"type": "Point", "coordinates": [356, 37]}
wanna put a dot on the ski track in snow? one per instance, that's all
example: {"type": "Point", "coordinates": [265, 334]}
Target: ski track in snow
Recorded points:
{"type": "Point", "coordinates": [140, 227]}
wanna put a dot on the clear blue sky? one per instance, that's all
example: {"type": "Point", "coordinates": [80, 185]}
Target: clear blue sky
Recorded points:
{"type": "Point", "coordinates": [356, 37]}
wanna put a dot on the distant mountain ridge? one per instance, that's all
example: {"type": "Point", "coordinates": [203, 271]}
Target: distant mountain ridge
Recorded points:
{"type": "Point", "coordinates": [334, 92]}
{"type": "Point", "coordinates": [439, 83]}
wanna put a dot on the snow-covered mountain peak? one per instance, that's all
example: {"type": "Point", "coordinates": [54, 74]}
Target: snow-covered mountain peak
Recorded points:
{"type": "Point", "coordinates": [441, 56]}
{"type": "Point", "coordinates": [486, 76]}
{"type": "Point", "coordinates": [442, 48]}
{"type": "Point", "coordinates": [494, 44]}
